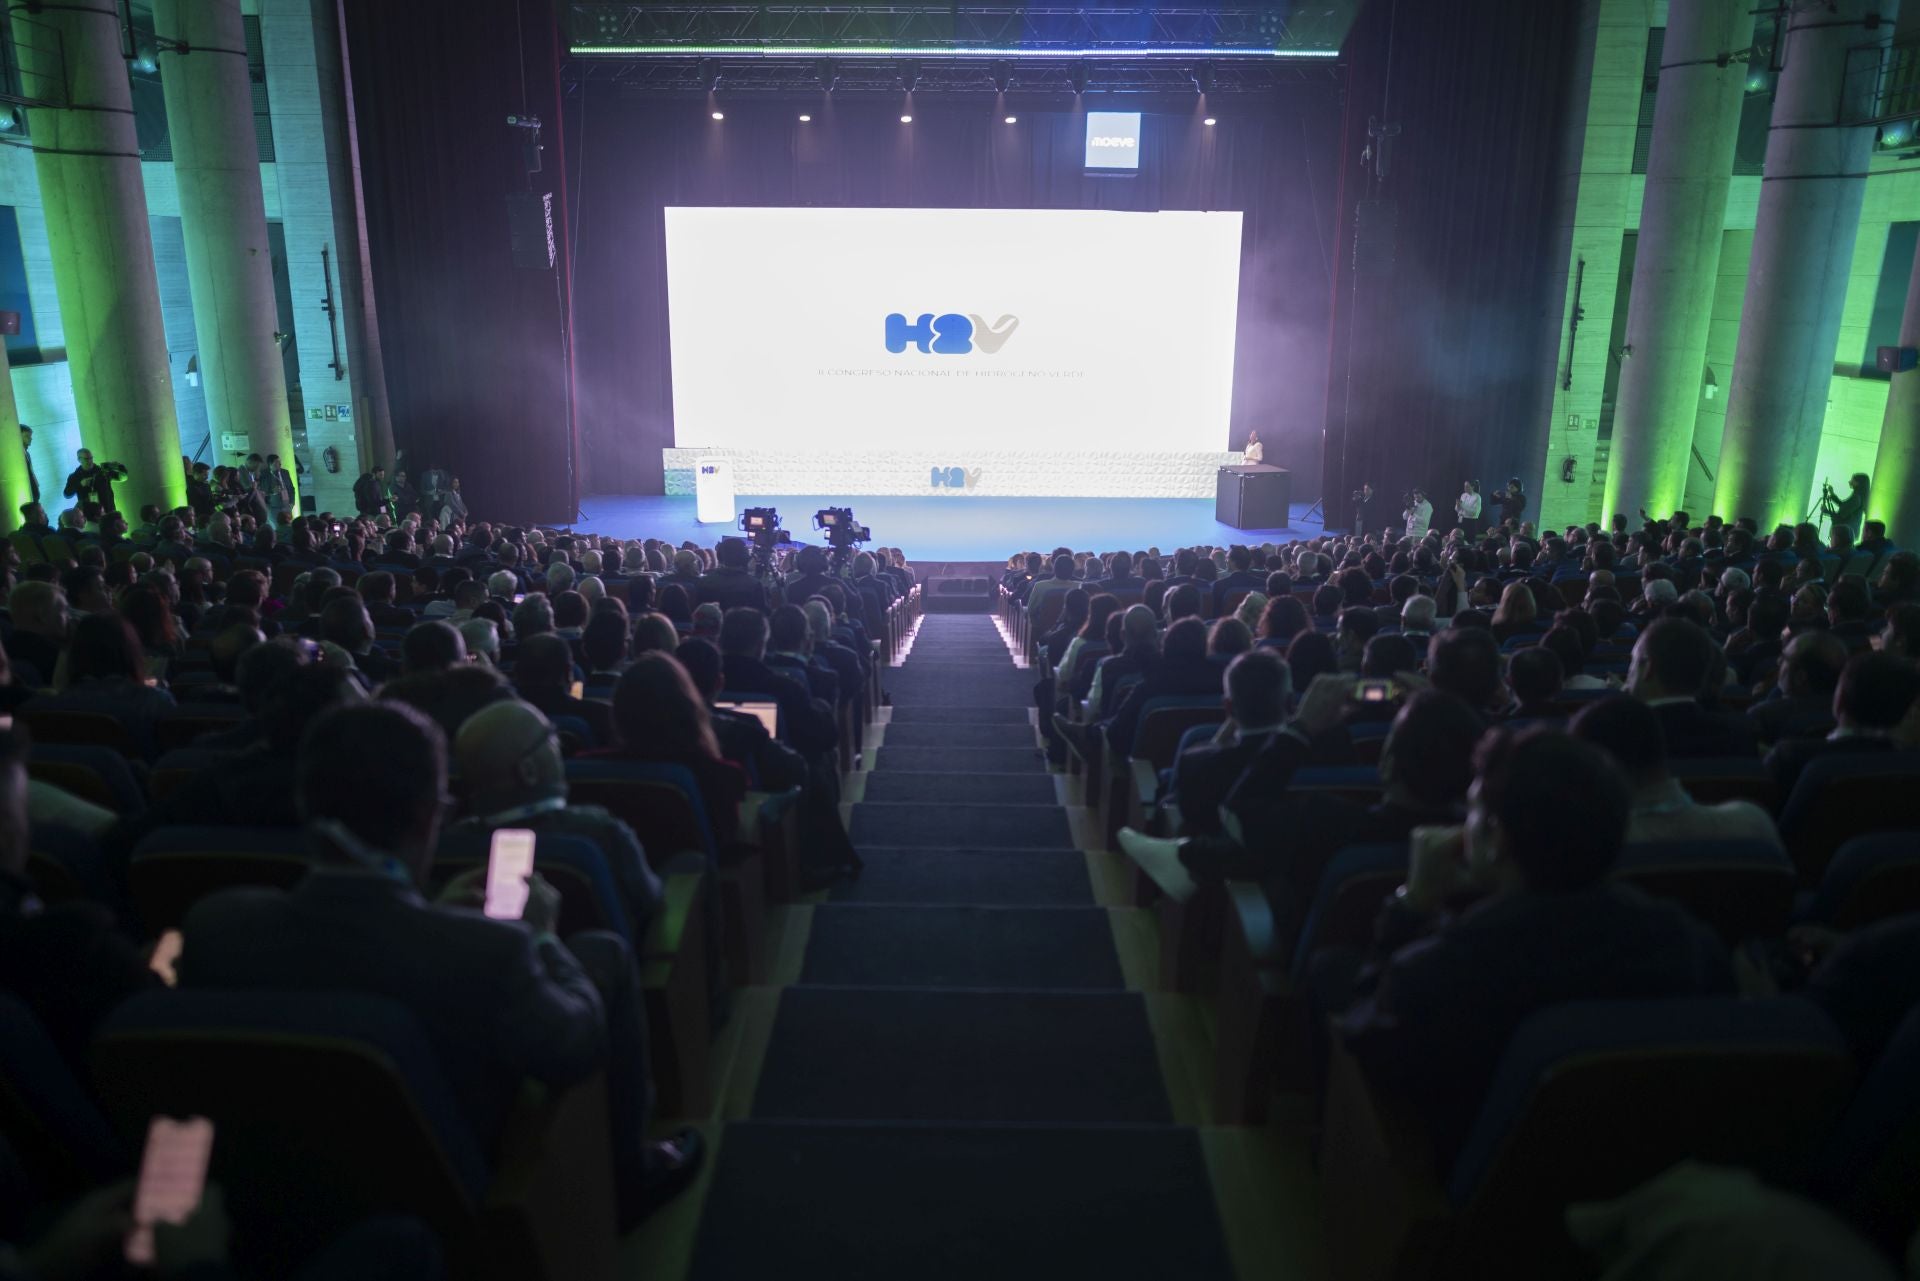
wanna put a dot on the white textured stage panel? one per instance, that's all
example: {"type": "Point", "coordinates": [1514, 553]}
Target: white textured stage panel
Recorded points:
{"type": "Point", "coordinates": [1016, 473]}
{"type": "Point", "coordinates": [955, 334]}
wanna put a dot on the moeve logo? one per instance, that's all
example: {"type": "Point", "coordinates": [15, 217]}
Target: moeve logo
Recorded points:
{"type": "Point", "coordinates": [949, 333]}
{"type": "Point", "coordinates": [1101, 141]}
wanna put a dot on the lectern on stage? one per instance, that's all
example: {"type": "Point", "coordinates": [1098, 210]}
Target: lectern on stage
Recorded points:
{"type": "Point", "coordinates": [1253, 496]}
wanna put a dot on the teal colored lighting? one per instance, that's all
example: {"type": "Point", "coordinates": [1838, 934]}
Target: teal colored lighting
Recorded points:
{"type": "Point", "coordinates": [928, 51]}
{"type": "Point", "coordinates": [1897, 134]}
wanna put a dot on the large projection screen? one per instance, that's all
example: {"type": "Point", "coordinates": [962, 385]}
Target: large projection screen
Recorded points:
{"type": "Point", "coordinates": [974, 331]}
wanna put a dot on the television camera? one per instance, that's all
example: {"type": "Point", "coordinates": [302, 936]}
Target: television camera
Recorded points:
{"type": "Point", "coordinates": [761, 525]}
{"type": "Point", "coordinates": [842, 531]}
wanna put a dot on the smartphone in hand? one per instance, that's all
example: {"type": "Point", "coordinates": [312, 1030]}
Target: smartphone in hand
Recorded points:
{"type": "Point", "coordinates": [173, 1176]}
{"type": "Point", "coordinates": [509, 864]}
{"type": "Point", "coordinates": [166, 951]}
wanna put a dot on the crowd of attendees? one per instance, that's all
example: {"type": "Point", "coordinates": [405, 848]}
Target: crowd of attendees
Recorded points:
{"type": "Point", "coordinates": [1533, 702]}
{"type": "Point", "coordinates": [389, 683]}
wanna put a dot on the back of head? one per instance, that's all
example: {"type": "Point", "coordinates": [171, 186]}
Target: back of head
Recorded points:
{"type": "Point", "coordinates": [702, 662]}
{"type": "Point", "coordinates": [229, 646]}
{"type": "Point", "coordinates": [659, 713]}
{"type": "Point", "coordinates": [1326, 601]}
{"type": "Point", "coordinates": [1229, 636]}
{"type": "Point", "coordinates": [1817, 657]}
{"type": "Point", "coordinates": [1356, 588]}
{"type": "Point", "coordinates": [379, 770]}
{"type": "Point", "coordinates": [604, 642]}
{"type": "Point", "coordinates": [1183, 602]}
{"type": "Point", "coordinates": [1418, 613]}
{"type": "Point", "coordinates": [1876, 692]}
{"type": "Point", "coordinates": [533, 616]}
{"type": "Point", "coordinates": [732, 553]}
{"type": "Point", "coordinates": [508, 750]}
{"type": "Point", "coordinates": [1387, 655]}
{"type": "Point", "coordinates": [1465, 661]}
{"type": "Point", "coordinates": [264, 666]}
{"type": "Point", "coordinates": [344, 621]}
{"type": "Point", "coordinates": [104, 647]}
{"type": "Point", "coordinates": [1185, 642]}
{"type": "Point", "coordinates": [655, 631]}
{"type": "Point", "coordinates": [1309, 655]}
{"type": "Point", "coordinates": [432, 646]}
{"type": "Point", "coordinates": [1627, 730]}
{"type": "Point", "coordinates": [1430, 747]}
{"type": "Point", "coordinates": [1284, 618]}
{"type": "Point", "coordinates": [1536, 674]}
{"type": "Point", "coordinates": [811, 560]}
{"type": "Point", "coordinates": [1259, 683]}
{"type": "Point", "coordinates": [377, 587]}
{"type": "Point", "coordinates": [1557, 806]}
{"type": "Point", "coordinates": [1678, 654]}
{"type": "Point", "coordinates": [543, 664]}
{"type": "Point", "coordinates": [743, 633]}
{"type": "Point", "coordinates": [1140, 629]}
{"type": "Point", "coordinates": [787, 630]}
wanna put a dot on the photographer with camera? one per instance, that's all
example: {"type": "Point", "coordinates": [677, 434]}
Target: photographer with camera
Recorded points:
{"type": "Point", "coordinates": [1418, 514]}
{"type": "Point", "coordinates": [92, 482]}
{"type": "Point", "coordinates": [1362, 500]}
{"type": "Point", "coordinates": [1466, 509]}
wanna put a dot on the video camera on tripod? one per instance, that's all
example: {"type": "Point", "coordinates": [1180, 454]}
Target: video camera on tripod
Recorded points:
{"type": "Point", "coordinates": [761, 525]}
{"type": "Point", "coordinates": [842, 531]}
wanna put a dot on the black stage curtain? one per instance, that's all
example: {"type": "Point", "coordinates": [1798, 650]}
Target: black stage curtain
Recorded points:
{"type": "Point", "coordinates": [474, 348]}
{"type": "Point", "coordinates": [1271, 159]}
{"type": "Point", "coordinates": [1436, 368]}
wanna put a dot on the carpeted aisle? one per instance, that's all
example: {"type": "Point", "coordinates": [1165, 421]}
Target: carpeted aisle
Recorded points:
{"type": "Point", "coordinates": [961, 1086]}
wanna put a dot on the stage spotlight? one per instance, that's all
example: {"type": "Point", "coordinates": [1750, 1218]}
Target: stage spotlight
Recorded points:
{"type": "Point", "coordinates": [1002, 76]}
{"type": "Point", "coordinates": [1209, 122]}
{"type": "Point", "coordinates": [805, 118]}
{"type": "Point", "coordinates": [910, 75]}
{"type": "Point", "coordinates": [906, 120]}
{"type": "Point", "coordinates": [709, 74]}
{"type": "Point", "coordinates": [721, 115]}
{"type": "Point", "coordinates": [1080, 76]}
{"type": "Point", "coordinates": [1013, 120]}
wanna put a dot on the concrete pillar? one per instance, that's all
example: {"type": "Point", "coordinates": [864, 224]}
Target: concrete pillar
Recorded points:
{"type": "Point", "coordinates": [15, 488]}
{"type": "Point", "coordinates": [88, 162]}
{"type": "Point", "coordinates": [1896, 468]}
{"type": "Point", "coordinates": [1696, 123]}
{"type": "Point", "coordinates": [223, 219]}
{"type": "Point", "coordinates": [1803, 237]}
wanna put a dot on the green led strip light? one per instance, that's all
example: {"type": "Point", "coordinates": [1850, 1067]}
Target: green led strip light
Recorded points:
{"type": "Point", "coordinates": [826, 51]}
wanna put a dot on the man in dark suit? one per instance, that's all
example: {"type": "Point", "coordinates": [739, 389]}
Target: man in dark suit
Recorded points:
{"type": "Point", "coordinates": [376, 590]}
{"type": "Point", "coordinates": [1430, 1017]}
{"type": "Point", "coordinates": [1875, 694]}
{"type": "Point", "coordinates": [500, 1001]}
{"type": "Point", "coordinates": [1673, 661]}
{"type": "Point", "coordinates": [805, 724]}
{"type": "Point", "coordinates": [731, 585]}
{"type": "Point", "coordinates": [1182, 670]}
{"type": "Point", "coordinates": [1240, 580]}
{"type": "Point", "coordinates": [345, 622]}
{"type": "Point", "coordinates": [810, 578]}
{"type": "Point", "coordinates": [543, 676]}
{"type": "Point", "coordinates": [788, 651]}
{"type": "Point", "coordinates": [1257, 688]}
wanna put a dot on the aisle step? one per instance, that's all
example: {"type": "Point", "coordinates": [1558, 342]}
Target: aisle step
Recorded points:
{"type": "Point", "coordinates": [919, 1055]}
{"type": "Point", "coordinates": [1031, 826]}
{"type": "Point", "coordinates": [982, 878]}
{"type": "Point", "coordinates": [964, 760]}
{"type": "Point", "coordinates": [961, 945]}
{"type": "Point", "coordinates": [948, 787]}
{"type": "Point", "coordinates": [962, 714]}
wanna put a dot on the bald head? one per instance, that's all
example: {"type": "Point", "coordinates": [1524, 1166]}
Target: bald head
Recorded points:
{"type": "Point", "coordinates": [508, 755]}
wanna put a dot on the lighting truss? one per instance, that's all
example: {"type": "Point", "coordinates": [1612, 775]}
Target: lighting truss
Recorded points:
{"type": "Point", "coordinates": [600, 29]}
{"type": "Point", "coordinates": [960, 78]}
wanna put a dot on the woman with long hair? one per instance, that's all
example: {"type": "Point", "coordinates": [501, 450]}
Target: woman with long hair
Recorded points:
{"type": "Point", "coordinates": [105, 672]}
{"type": "Point", "coordinates": [1518, 614]}
{"type": "Point", "coordinates": [660, 716]}
{"type": "Point", "coordinates": [1284, 618]}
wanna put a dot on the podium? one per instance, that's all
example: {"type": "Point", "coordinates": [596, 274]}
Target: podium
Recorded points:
{"type": "Point", "coordinates": [1253, 496]}
{"type": "Point", "coordinates": [713, 491]}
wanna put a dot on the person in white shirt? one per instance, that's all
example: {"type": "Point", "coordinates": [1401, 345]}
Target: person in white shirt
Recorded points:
{"type": "Point", "coordinates": [1419, 516]}
{"type": "Point", "coordinates": [1255, 452]}
{"type": "Point", "coordinates": [1467, 509]}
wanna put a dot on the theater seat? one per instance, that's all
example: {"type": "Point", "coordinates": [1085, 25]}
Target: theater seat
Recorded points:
{"type": "Point", "coordinates": [330, 1107]}
{"type": "Point", "coordinates": [48, 1118]}
{"type": "Point", "coordinates": [173, 868]}
{"type": "Point", "coordinates": [1743, 889]}
{"type": "Point", "coordinates": [99, 775]}
{"type": "Point", "coordinates": [1870, 879]}
{"type": "Point", "coordinates": [1842, 796]}
{"type": "Point", "coordinates": [1866, 1169]}
{"type": "Point", "coordinates": [1711, 780]}
{"type": "Point", "coordinates": [1590, 1100]}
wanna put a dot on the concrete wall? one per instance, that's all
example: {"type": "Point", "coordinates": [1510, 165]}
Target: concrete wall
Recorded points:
{"type": "Point", "coordinates": [1602, 203]}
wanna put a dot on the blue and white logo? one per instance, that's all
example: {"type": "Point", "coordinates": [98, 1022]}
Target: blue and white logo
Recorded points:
{"type": "Point", "coordinates": [948, 333]}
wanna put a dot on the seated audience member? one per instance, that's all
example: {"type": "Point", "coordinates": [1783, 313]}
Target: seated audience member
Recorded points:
{"type": "Point", "coordinates": [1673, 664]}
{"type": "Point", "coordinates": [790, 650]}
{"type": "Point", "coordinates": [482, 639]}
{"type": "Point", "coordinates": [1431, 1015]}
{"type": "Point", "coordinates": [1800, 705]}
{"type": "Point", "coordinates": [660, 716]}
{"type": "Point", "coordinates": [449, 697]}
{"type": "Point", "coordinates": [605, 644]}
{"type": "Point", "coordinates": [345, 622]}
{"type": "Point", "coordinates": [40, 629]}
{"type": "Point", "coordinates": [1537, 679]}
{"type": "Point", "coordinates": [1629, 731]}
{"type": "Point", "coordinates": [377, 589]}
{"type": "Point", "coordinates": [68, 962]}
{"type": "Point", "coordinates": [432, 647]}
{"type": "Point", "coordinates": [1416, 619]}
{"type": "Point", "coordinates": [1258, 688]}
{"type": "Point", "coordinates": [806, 724]}
{"type": "Point", "coordinates": [743, 738]}
{"type": "Point", "coordinates": [1182, 670]}
{"type": "Point", "coordinates": [543, 676]}
{"type": "Point", "coordinates": [501, 1002]}
{"type": "Point", "coordinates": [731, 585]}
{"type": "Point", "coordinates": [533, 616]}
{"type": "Point", "coordinates": [1465, 662]}
{"type": "Point", "coordinates": [1867, 981]}
{"type": "Point", "coordinates": [655, 631]}
{"type": "Point", "coordinates": [106, 673]}
{"type": "Point", "coordinates": [510, 766]}
{"type": "Point", "coordinates": [1872, 703]}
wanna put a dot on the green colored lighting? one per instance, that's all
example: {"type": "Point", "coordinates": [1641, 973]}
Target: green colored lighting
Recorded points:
{"type": "Point", "coordinates": [924, 51]}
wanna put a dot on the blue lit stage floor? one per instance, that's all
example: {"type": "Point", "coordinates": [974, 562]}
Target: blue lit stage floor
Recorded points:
{"type": "Point", "coordinates": [960, 528]}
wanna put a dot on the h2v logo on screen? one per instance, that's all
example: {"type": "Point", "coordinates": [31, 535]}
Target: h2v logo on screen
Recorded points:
{"type": "Point", "coordinates": [948, 334]}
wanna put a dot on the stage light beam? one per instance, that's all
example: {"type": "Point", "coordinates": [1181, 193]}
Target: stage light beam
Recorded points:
{"type": "Point", "coordinates": [906, 120]}
{"type": "Point", "coordinates": [1209, 122]}
{"type": "Point", "coordinates": [1013, 120]}
{"type": "Point", "coordinates": [805, 118]}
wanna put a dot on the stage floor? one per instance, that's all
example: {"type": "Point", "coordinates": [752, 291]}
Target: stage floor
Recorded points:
{"type": "Point", "coordinates": [958, 528]}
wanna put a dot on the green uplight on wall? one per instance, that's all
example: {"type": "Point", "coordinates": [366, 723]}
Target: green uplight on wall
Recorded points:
{"type": "Point", "coordinates": [1891, 137]}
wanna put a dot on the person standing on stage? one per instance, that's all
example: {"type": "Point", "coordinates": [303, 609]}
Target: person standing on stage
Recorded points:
{"type": "Point", "coordinates": [1419, 515]}
{"type": "Point", "coordinates": [1362, 500]}
{"type": "Point", "coordinates": [1466, 509]}
{"type": "Point", "coordinates": [1513, 502]}
{"type": "Point", "coordinates": [1853, 508]}
{"type": "Point", "coordinates": [1255, 452]}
